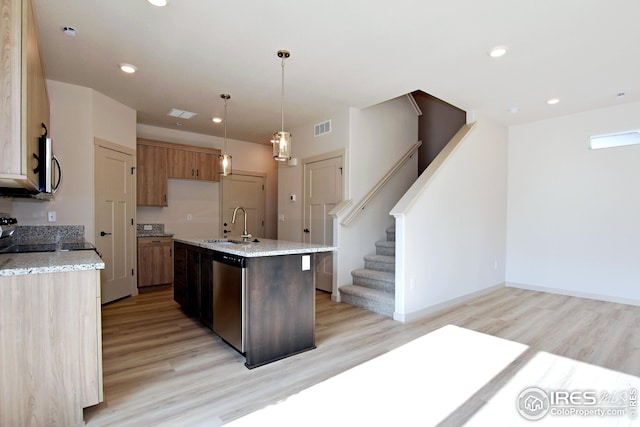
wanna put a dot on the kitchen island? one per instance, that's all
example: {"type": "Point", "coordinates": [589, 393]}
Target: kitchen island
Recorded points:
{"type": "Point", "coordinates": [258, 296]}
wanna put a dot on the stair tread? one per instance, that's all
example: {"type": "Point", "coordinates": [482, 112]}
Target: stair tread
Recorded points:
{"type": "Point", "coordinates": [387, 276]}
{"type": "Point", "coordinates": [373, 294]}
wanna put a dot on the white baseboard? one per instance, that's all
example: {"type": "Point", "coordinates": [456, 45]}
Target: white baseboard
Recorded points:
{"type": "Point", "coordinates": [570, 293]}
{"type": "Point", "coordinates": [428, 311]}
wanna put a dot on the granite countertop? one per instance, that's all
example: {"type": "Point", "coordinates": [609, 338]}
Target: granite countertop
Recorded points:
{"type": "Point", "coordinates": [153, 234]}
{"type": "Point", "coordinates": [264, 247]}
{"type": "Point", "coordinates": [49, 262]}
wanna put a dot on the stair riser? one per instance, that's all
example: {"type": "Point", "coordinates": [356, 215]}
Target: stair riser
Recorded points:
{"type": "Point", "coordinates": [380, 266]}
{"type": "Point", "coordinates": [382, 250]}
{"type": "Point", "coordinates": [374, 284]}
{"type": "Point", "coordinates": [391, 236]}
{"type": "Point", "coordinates": [385, 308]}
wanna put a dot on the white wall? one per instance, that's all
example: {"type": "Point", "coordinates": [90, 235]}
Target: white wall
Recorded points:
{"type": "Point", "coordinates": [451, 238]}
{"type": "Point", "coordinates": [291, 179]}
{"type": "Point", "coordinates": [573, 212]}
{"type": "Point", "coordinates": [379, 136]}
{"type": "Point", "coordinates": [202, 199]}
{"type": "Point", "coordinates": [77, 115]}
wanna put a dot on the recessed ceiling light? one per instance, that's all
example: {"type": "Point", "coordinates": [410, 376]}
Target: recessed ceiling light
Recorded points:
{"type": "Point", "coordinates": [128, 68]}
{"type": "Point", "coordinates": [497, 51]}
{"type": "Point", "coordinates": [216, 120]}
{"type": "Point", "coordinates": [553, 101]}
{"type": "Point", "coordinates": [514, 109]}
{"type": "Point", "coordinates": [159, 3]}
{"type": "Point", "coordinates": [69, 31]}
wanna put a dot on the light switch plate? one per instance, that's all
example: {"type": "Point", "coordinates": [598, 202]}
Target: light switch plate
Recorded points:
{"type": "Point", "coordinates": [306, 262]}
{"type": "Point", "coordinates": [148, 227]}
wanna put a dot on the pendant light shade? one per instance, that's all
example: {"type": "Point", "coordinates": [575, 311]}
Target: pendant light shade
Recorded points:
{"type": "Point", "coordinates": [282, 139]}
{"type": "Point", "coordinates": [224, 160]}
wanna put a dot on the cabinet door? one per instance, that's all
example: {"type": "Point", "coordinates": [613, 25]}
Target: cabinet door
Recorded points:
{"type": "Point", "coordinates": [180, 274]}
{"type": "Point", "coordinates": [37, 98]}
{"type": "Point", "coordinates": [193, 283]}
{"type": "Point", "coordinates": [25, 104]}
{"type": "Point", "coordinates": [206, 289]}
{"type": "Point", "coordinates": [155, 261]}
{"type": "Point", "coordinates": [207, 166]}
{"type": "Point", "coordinates": [151, 183]}
{"type": "Point", "coordinates": [181, 164]}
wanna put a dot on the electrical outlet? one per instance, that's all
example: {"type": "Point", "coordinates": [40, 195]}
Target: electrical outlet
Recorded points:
{"type": "Point", "coordinates": [189, 217]}
{"type": "Point", "coordinates": [51, 216]}
{"type": "Point", "coordinates": [148, 227]}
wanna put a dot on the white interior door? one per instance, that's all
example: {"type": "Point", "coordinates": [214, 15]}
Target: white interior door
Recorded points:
{"type": "Point", "coordinates": [115, 230]}
{"type": "Point", "coordinates": [245, 190]}
{"type": "Point", "coordinates": [323, 191]}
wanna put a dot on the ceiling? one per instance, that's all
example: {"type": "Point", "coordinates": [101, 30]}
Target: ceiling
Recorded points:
{"type": "Point", "coordinates": [354, 53]}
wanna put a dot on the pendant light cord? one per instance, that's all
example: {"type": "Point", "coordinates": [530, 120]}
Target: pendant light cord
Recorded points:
{"type": "Point", "coordinates": [224, 146]}
{"type": "Point", "coordinates": [282, 96]}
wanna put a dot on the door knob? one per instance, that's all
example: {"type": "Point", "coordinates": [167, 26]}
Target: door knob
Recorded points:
{"type": "Point", "coordinates": [306, 230]}
{"type": "Point", "coordinates": [102, 233]}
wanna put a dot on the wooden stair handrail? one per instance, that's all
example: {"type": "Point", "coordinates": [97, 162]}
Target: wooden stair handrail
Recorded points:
{"type": "Point", "coordinates": [376, 188]}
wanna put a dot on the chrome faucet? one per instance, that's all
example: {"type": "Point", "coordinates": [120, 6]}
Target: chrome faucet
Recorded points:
{"type": "Point", "coordinates": [245, 233]}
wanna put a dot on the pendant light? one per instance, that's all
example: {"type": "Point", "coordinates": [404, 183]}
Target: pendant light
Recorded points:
{"type": "Point", "coordinates": [282, 140]}
{"type": "Point", "coordinates": [224, 159]}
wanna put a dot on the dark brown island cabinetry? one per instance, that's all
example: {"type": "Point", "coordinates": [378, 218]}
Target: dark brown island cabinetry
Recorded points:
{"type": "Point", "coordinates": [193, 282]}
{"type": "Point", "coordinates": [279, 299]}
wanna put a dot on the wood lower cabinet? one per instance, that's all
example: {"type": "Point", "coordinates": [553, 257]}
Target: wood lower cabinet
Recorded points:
{"type": "Point", "coordinates": [193, 282]}
{"type": "Point", "coordinates": [50, 347]}
{"type": "Point", "coordinates": [25, 103]}
{"type": "Point", "coordinates": [155, 261]}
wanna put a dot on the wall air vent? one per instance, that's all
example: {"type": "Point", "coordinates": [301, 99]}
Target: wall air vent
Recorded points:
{"type": "Point", "coordinates": [322, 128]}
{"type": "Point", "coordinates": [181, 114]}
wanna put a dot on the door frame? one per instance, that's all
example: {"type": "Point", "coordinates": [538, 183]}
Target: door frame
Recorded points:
{"type": "Point", "coordinates": [221, 198]}
{"type": "Point", "coordinates": [345, 177]}
{"type": "Point", "coordinates": [131, 242]}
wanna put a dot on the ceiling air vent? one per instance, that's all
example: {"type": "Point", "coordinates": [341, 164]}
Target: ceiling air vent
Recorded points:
{"type": "Point", "coordinates": [181, 113]}
{"type": "Point", "coordinates": [322, 128]}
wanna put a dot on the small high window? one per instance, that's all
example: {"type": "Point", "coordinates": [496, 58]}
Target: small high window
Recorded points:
{"type": "Point", "coordinates": [615, 140]}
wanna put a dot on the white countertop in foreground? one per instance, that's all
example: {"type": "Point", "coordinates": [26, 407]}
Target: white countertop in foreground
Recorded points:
{"type": "Point", "coordinates": [265, 247]}
{"type": "Point", "coordinates": [49, 262]}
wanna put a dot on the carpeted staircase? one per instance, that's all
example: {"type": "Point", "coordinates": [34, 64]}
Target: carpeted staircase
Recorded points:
{"type": "Point", "coordinates": [374, 287]}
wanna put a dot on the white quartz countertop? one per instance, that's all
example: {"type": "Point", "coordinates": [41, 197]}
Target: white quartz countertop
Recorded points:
{"type": "Point", "coordinates": [49, 262]}
{"type": "Point", "coordinates": [264, 247]}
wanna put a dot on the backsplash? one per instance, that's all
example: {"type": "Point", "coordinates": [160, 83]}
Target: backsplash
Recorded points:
{"type": "Point", "coordinates": [150, 229]}
{"type": "Point", "coordinates": [49, 233]}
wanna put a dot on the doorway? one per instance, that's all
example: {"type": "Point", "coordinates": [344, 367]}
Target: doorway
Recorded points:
{"type": "Point", "coordinates": [246, 189]}
{"type": "Point", "coordinates": [115, 218]}
{"type": "Point", "coordinates": [323, 189]}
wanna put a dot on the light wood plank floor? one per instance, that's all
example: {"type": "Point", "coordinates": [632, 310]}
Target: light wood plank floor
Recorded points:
{"type": "Point", "coordinates": [163, 368]}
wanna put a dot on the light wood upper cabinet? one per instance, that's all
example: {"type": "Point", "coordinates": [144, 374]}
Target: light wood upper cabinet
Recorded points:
{"type": "Point", "coordinates": [151, 180]}
{"type": "Point", "coordinates": [192, 163]}
{"type": "Point", "coordinates": [158, 161]}
{"type": "Point", "coordinates": [25, 103]}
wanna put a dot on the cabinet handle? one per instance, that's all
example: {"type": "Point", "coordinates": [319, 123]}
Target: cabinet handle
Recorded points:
{"type": "Point", "coordinates": [192, 172]}
{"type": "Point", "coordinates": [104, 233]}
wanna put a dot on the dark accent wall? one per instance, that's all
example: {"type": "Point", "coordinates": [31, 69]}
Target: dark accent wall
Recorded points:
{"type": "Point", "coordinates": [437, 125]}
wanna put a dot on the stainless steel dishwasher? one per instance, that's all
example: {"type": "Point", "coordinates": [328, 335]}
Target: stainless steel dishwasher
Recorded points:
{"type": "Point", "coordinates": [229, 293]}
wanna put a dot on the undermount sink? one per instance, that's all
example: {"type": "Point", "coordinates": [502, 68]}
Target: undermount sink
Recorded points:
{"type": "Point", "coordinates": [229, 241]}
{"type": "Point", "coordinates": [223, 241]}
